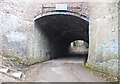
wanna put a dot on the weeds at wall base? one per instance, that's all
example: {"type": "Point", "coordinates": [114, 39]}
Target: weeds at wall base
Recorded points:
{"type": "Point", "coordinates": [103, 73]}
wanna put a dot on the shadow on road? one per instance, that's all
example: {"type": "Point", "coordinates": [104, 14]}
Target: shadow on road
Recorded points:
{"type": "Point", "coordinates": [75, 57]}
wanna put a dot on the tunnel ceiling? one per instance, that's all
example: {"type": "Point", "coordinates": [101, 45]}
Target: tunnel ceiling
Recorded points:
{"type": "Point", "coordinates": [62, 27]}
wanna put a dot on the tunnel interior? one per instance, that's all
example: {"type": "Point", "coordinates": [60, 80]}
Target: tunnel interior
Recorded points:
{"type": "Point", "coordinates": [54, 34]}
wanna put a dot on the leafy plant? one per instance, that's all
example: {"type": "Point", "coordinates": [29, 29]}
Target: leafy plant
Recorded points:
{"type": "Point", "coordinates": [12, 59]}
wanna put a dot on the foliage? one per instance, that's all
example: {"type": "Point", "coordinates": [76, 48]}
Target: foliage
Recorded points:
{"type": "Point", "coordinates": [94, 68]}
{"type": "Point", "coordinates": [86, 44]}
{"type": "Point", "coordinates": [100, 70]}
{"type": "Point", "coordinates": [12, 59]}
{"type": "Point", "coordinates": [88, 65]}
{"type": "Point", "coordinates": [71, 49]}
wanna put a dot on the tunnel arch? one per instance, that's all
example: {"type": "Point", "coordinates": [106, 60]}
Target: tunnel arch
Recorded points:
{"type": "Point", "coordinates": [54, 31]}
{"type": "Point", "coordinates": [79, 15]}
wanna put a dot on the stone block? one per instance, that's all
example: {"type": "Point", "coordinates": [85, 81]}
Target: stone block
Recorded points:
{"type": "Point", "coordinates": [17, 74]}
{"type": "Point", "coordinates": [4, 70]}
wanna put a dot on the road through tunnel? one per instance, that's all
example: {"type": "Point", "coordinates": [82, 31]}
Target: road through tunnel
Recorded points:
{"type": "Point", "coordinates": [54, 33]}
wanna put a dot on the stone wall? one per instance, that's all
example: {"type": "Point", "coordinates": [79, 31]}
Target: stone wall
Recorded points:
{"type": "Point", "coordinates": [18, 26]}
{"type": "Point", "coordinates": [0, 34]}
{"type": "Point", "coordinates": [17, 31]}
{"type": "Point", "coordinates": [119, 39]}
{"type": "Point", "coordinates": [103, 36]}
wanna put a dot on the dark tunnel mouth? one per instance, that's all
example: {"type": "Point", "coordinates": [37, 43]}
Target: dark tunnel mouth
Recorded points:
{"type": "Point", "coordinates": [60, 30]}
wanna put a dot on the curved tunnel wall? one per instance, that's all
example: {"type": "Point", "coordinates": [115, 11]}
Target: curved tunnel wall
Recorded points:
{"type": "Point", "coordinates": [54, 33]}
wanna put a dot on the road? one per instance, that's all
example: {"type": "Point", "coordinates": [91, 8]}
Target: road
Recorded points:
{"type": "Point", "coordinates": [67, 69]}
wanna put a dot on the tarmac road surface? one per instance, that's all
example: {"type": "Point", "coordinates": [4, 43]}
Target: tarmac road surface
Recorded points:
{"type": "Point", "coordinates": [67, 69]}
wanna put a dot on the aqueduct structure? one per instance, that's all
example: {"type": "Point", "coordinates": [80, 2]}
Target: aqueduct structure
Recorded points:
{"type": "Point", "coordinates": [38, 31]}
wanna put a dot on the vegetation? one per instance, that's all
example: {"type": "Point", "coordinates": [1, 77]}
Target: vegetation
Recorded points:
{"type": "Point", "coordinates": [71, 49]}
{"type": "Point", "coordinates": [75, 43]}
{"type": "Point", "coordinates": [86, 44]}
{"type": "Point", "coordinates": [18, 60]}
{"type": "Point", "coordinates": [105, 73]}
{"type": "Point", "coordinates": [12, 59]}
{"type": "Point", "coordinates": [94, 68]}
{"type": "Point", "coordinates": [88, 65]}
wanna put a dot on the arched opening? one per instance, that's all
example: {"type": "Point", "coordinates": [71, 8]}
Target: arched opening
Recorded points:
{"type": "Point", "coordinates": [55, 31]}
{"type": "Point", "coordinates": [79, 49]}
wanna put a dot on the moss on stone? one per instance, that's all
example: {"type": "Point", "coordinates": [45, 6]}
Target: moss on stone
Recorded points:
{"type": "Point", "coordinates": [18, 60]}
{"type": "Point", "coordinates": [106, 70]}
{"type": "Point", "coordinates": [88, 65]}
{"type": "Point", "coordinates": [44, 58]}
{"type": "Point", "coordinates": [94, 68]}
{"type": "Point", "coordinates": [101, 70]}
{"type": "Point", "coordinates": [110, 75]}
{"type": "Point", "coordinates": [119, 76]}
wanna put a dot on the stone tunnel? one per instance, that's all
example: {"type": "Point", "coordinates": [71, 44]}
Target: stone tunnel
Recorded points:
{"type": "Point", "coordinates": [54, 31]}
{"type": "Point", "coordinates": [28, 31]}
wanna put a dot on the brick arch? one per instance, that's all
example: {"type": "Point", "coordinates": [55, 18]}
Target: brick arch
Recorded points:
{"type": "Point", "coordinates": [82, 16]}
